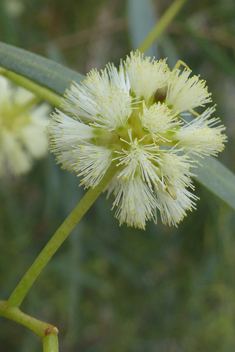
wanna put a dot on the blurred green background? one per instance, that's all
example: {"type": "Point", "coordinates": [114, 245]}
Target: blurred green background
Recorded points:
{"type": "Point", "coordinates": [112, 288]}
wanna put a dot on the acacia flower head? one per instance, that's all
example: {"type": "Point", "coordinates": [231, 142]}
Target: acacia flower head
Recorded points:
{"type": "Point", "coordinates": [22, 129]}
{"type": "Point", "coordinates": [135, 117]}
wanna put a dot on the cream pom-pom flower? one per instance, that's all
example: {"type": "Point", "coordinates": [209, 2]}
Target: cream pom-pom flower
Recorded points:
{"type": "Point", "coordinates": [135, 117]}
{"type": "Point", "coordinates": [22, 129]}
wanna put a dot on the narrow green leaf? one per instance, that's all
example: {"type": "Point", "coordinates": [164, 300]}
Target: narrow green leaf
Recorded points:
{"type": "Point", "coordinates": [141, 20]}
{"type": "Point", "coordinates": [218, 179]}
{"type": "Point", "coordinates": [39, 69]}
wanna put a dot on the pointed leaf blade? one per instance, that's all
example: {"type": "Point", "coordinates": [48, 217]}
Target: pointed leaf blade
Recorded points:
{"type": "Point", "coordinates": [37, 68]}
{"type": "Point", "coordinates": [218, 179]}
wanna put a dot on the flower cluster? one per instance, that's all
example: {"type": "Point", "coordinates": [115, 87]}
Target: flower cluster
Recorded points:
{"type": "Point", "coordinates": [22, 129]}
{"type": "Point", "coordinates": [135, 117]}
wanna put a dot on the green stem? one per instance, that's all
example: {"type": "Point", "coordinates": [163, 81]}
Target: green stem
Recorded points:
{"type": "Point", "coordinates": [170, 13]}
{"type": "Point", "coordinates": [44, 93]}
{"type": "Point", "coordinates": [50, 343]}
{"type": "Point", "coordinates": [58, 238]}
{"type": "Point", "coordinates": [40, 328]}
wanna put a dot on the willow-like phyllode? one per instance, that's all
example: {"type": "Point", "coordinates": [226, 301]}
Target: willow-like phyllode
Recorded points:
{"type": "Point", "coordinates": [136, 117]}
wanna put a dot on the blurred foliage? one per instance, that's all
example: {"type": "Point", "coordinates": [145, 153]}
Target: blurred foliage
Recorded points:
{"type": "Point", "coordinates": [112, 288]}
